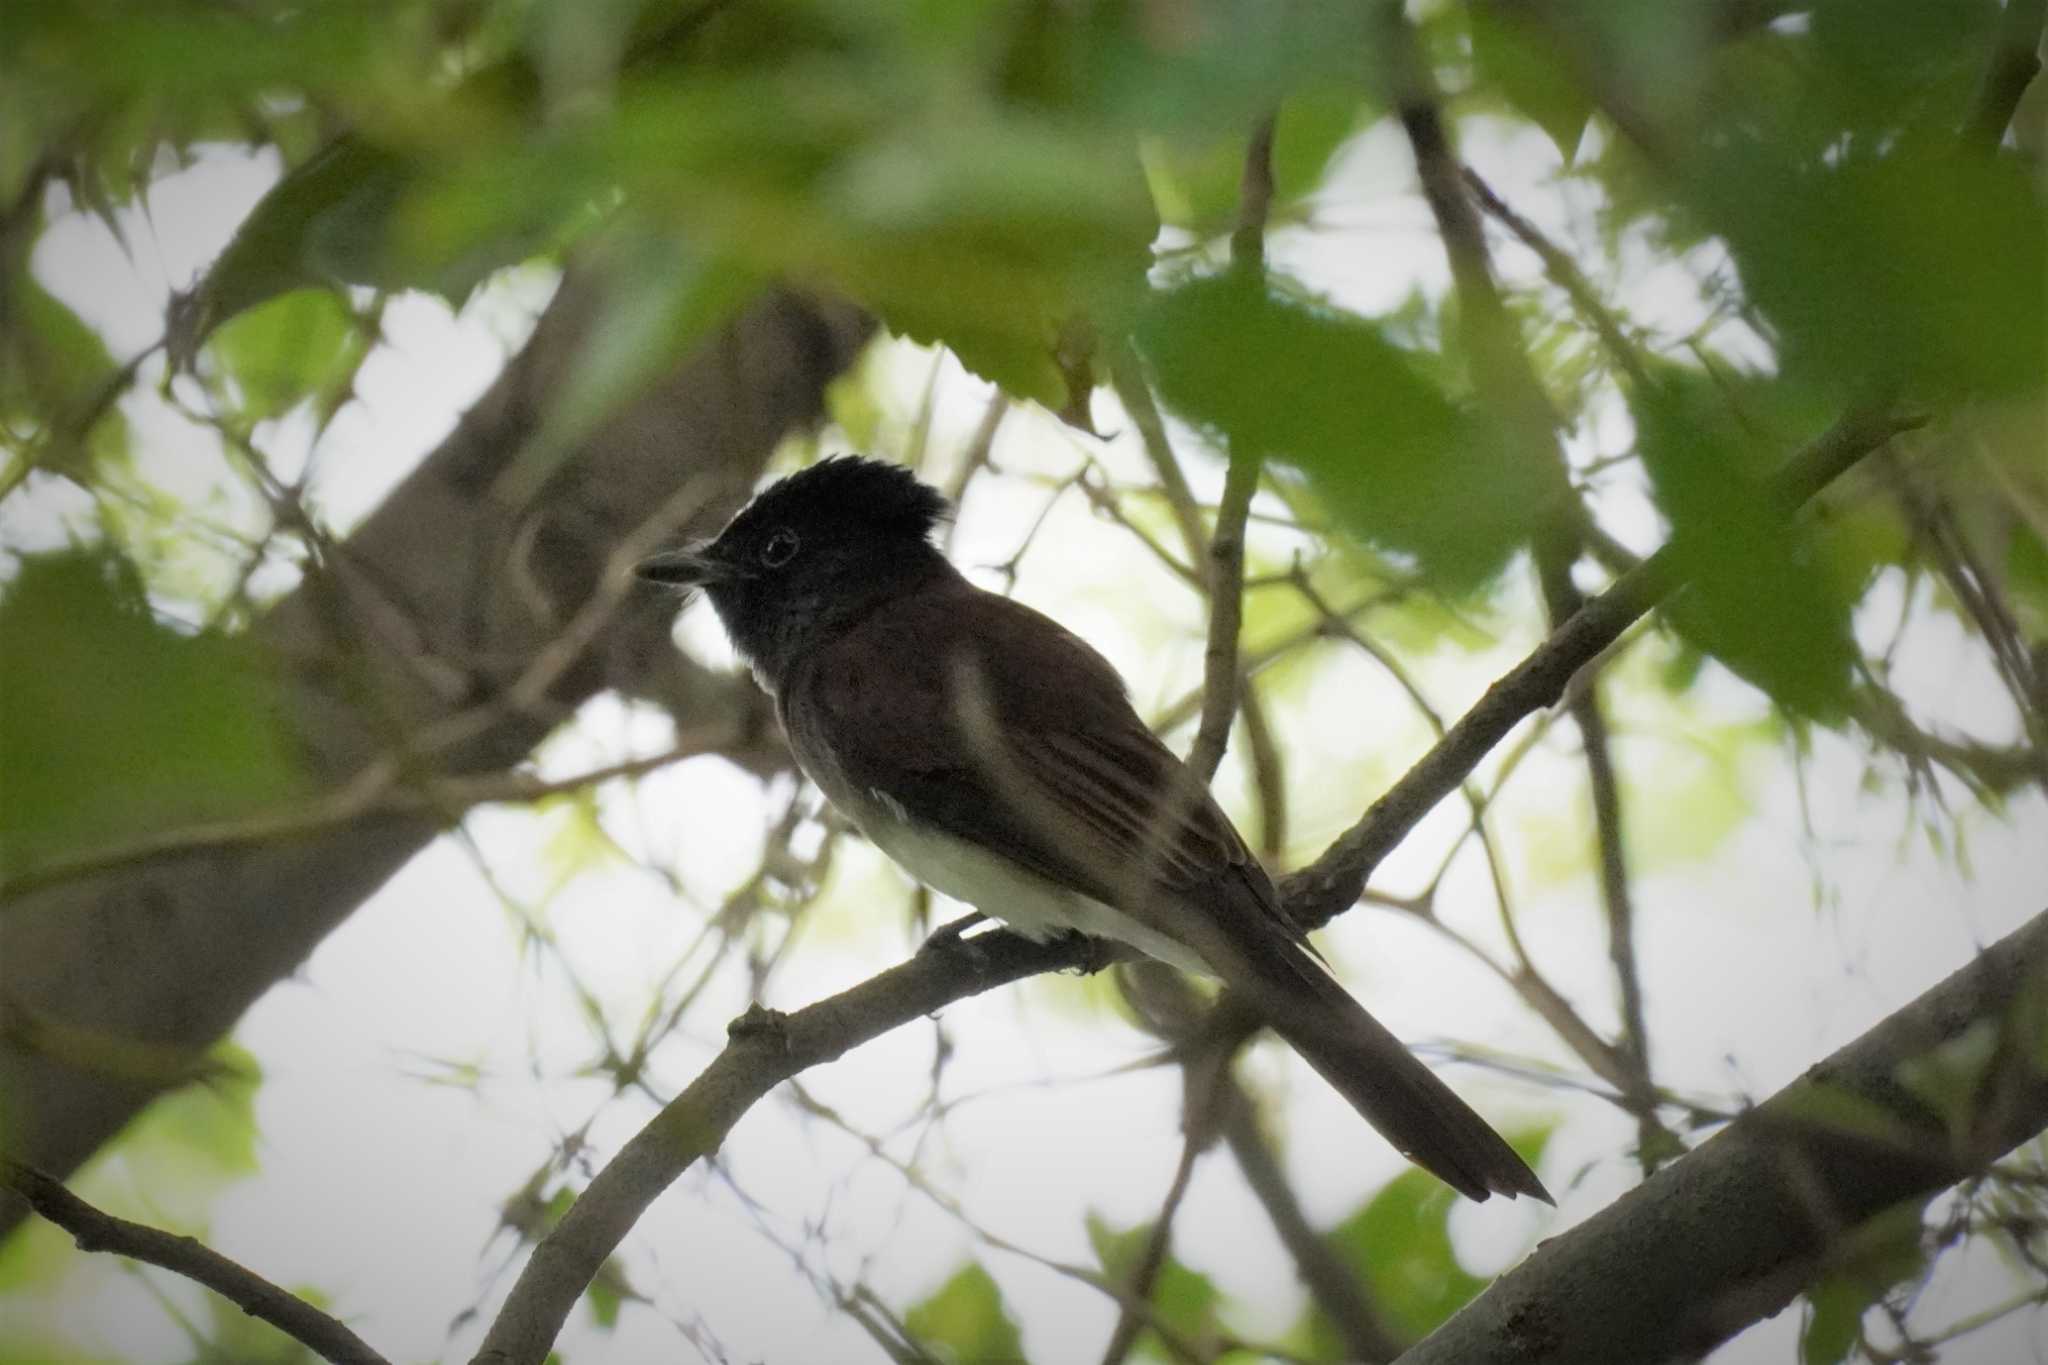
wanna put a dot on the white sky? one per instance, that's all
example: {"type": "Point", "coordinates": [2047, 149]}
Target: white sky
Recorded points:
{"type": "Point", "coordinates": [382, 1189]}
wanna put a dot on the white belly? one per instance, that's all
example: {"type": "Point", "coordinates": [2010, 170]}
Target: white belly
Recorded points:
{"type": "Point", "coordinates": [1028, 903]}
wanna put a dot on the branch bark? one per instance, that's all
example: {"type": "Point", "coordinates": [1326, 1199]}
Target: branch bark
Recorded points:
{"type": "Point", "coordinates": [1727, 1235]}
{"type": "Point", "coordinates": [96, 1230]}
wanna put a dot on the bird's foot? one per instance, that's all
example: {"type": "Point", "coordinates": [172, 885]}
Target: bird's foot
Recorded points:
{"type": "Point", "coordinates": [1092, 954]}
{"type": "Point", "coordinates": [947, 935]}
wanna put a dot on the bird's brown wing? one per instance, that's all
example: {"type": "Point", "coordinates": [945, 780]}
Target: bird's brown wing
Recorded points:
{"type": "Point", "coordinates": [978, 717]}
{"type": "Point", "coordinates": [983, 719]}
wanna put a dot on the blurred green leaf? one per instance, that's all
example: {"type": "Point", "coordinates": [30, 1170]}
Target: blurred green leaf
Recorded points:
{"type": "Point", "coordinates": [322, 224]}
{"type": "Point", "coordinates": [294, 347]}
{"type": "Point", "coordinates": [1182, 1299]}
{"type": "Point", "coordinates": [1881, 62]}
{"type": "Point", "coordinates": [1399, 1244]}
{"type": "Point", "coordinates": [1764, 598]}
{"type": "Point", "coordinates": [50, 361]}
{"type": "Point", "coordinates": [1916, 264]}
{"type": "Point", "coordinates": [1873, 1257]}
{"type": "Point", "coordinates": [987, 237]}
{"type": "Point", "coordinates": [964, 1320]}
{"type": "Point", "coordinates": [2026, 576]}
{"type": "Point", "coordinates": [1521, 58]}
{"type": "Point", "coordinates": [1391, 455]}
{"type": "Point", "coordinates": [1196, 184]}
{"type": "Point", "coordinates": [41, 1351]}
{"type": "Point", "coordinates": [609, 1291]}
{"type": "Point", "coordinates": [116, 725]}
{"type": "Point", "coordinates": [193, 1140]}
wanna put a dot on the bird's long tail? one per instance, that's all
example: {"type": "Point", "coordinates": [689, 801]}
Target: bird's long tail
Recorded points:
{"type": "Point", "coordinates": [1369, 1066]}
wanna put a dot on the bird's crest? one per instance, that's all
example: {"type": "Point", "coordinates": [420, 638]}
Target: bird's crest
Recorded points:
{"type": "Point", "coordinates": [848, 489]}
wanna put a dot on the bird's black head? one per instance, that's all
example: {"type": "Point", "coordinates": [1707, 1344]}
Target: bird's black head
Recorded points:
{"type": "Point", "coordinates": [811, 554]}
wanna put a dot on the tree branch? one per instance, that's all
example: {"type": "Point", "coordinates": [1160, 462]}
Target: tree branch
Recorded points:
{"type": "Point", "coordinates": [1221, 674]}
{"type": "Point", "coordinates": [767, 1048]}
{"type": "Point", "coordinates": [1727, 1235]}
{"type": "Point", "coordinates": [95, 1230]}
{"type": "Point", "coordinates": [1331, 1283]}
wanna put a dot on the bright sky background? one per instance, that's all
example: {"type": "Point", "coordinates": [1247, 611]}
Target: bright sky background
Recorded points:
{"type": "Point", "coordinates": [381, 1187]}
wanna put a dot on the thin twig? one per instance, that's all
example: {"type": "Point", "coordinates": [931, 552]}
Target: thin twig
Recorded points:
{"type": "Point", "coordinates": [381, 789]}
{"type": "Point", "coordinates": [1331, 1283]}
{"type": "Point", "coordinates": [1565, 273]}
{"type": "Point", "coordinates": [1220, 666]}
{"type": "Point", "coordinates": [95, 1230]}
{"type": "Point", "coordinates": [1144, 1276]}
{"type": "Point", "coordinates": [1225, 561]}
{"type": "Point", "coordinates": [1269, 770]}
{"type": "Point", "coordinates": [1640, 1089]}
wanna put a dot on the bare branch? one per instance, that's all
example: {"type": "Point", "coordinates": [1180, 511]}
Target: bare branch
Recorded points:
{"type": "Point", "coordinates": [1225, 577]}
{"type": "Point", "coordinates": [1220, 669]}
{"type": "Point", "coordinates": [1144, 1276]}
{"type": "Point", "coordinates": [95, 1230]}
{"type": "Point", "coordinates": [1331, 1283]}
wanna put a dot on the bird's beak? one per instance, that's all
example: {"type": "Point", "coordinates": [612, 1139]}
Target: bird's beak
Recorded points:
{"type": "Point", "coordinates": [689, 567]}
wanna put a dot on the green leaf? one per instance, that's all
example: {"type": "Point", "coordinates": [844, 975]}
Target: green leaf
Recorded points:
{"type": "Point", "coordinates": [42, 1351]}
{"type": "Point", "coordinates": [1519, 56]}
{"type": "Point", "coordinates": [200, 1134]}
{"type": "Point", "coordinates": [293, 347]}
{"type": "Point", "coordinates": [54, 361]}
{"type": "Point", "coordinates": [1399, 1244]}
{"type": "Point", "coordinates": [117, 726]}
{"type": "Point", "coordinates": [1764, 599]}
{"type": "Point", "coordinates": [1197, 184]}
{"type": "Point", "coordinates": [609, 1290]}
{"type": "Point", "coordinates": [1917, 264]}
{"type": "Point", "coordinates": [964, 1320]}
{"type": "Point", "coordinates": [1182, 1299]}
{"type": "Point", "coordinates": [1875, 1255]}
{"type": "Point", "coordinates": [323, 223]}
{"type": "Point", "coordinates": [989, 236]}
{"type": "Point", "coordinates": [1391, 455]}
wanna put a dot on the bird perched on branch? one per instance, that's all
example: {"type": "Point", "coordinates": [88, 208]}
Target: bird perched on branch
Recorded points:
{"type": "Point", "coordinates": [996, 757]}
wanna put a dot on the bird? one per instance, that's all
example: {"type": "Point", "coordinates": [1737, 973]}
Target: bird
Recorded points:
{"type": "Point", "coordinates": [997, 758]}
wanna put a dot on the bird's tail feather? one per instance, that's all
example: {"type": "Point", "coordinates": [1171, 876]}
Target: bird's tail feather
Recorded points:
{"type": "Point", "coordinates": [1366, 1064]}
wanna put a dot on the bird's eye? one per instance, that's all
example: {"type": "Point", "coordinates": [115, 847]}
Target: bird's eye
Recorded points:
{"type": "Point", "coordinates": [779, 548]}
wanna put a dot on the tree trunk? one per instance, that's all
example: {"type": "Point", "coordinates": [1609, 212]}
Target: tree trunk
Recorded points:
{"type": "Point", "coordinates": [434, 609]}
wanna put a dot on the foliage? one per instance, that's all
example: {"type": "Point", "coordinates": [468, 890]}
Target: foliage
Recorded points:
{"type": "Point", "coordinates": [93, 680]}
{"type": "Point", "coordinates": [1756, 218]}
{"type": "Point", "coordinates": [1184, 1301]}
{"type": "Point", "coordinates": [965, 1319]}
